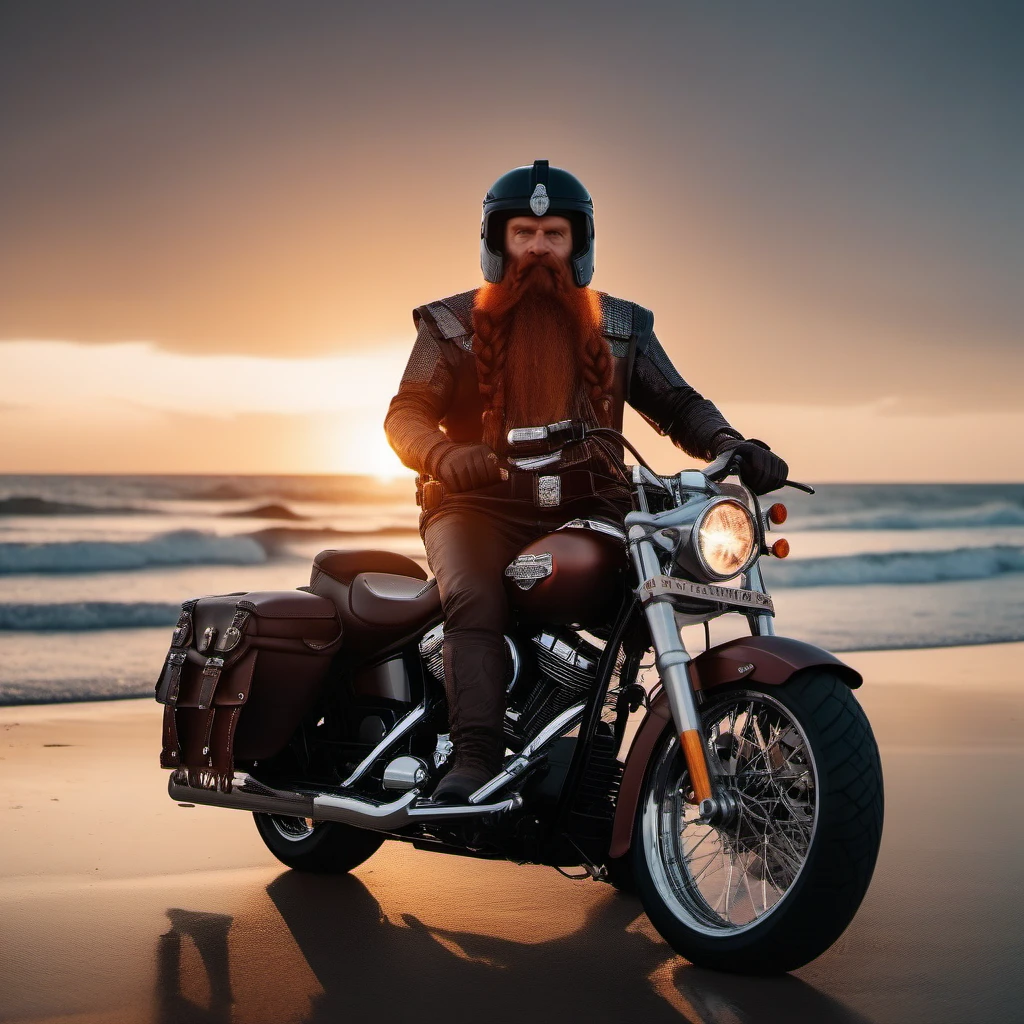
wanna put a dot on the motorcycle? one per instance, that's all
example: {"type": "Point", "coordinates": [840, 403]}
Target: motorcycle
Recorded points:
{"type": "Point", "coordinates": [743, 806]}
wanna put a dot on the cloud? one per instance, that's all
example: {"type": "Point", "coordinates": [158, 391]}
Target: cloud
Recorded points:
{"type": "Point", "coordinates": [48, 374]}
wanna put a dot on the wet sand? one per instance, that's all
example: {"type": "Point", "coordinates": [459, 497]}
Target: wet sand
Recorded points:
{"type": "Point", "coordinates": [116, 905]}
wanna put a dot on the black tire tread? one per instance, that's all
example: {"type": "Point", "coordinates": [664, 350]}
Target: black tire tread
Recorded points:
{"type": "Point", "coordinates": [846, 845]}
{"type": "Point", "coordinates": [332, 849]}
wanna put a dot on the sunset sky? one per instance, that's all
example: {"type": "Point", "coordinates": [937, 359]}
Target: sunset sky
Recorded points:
{"type": "Point", "coordinates": [216, 218]}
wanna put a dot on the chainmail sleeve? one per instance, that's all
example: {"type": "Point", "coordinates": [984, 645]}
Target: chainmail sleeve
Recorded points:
{"type": "Point", "coordinates": [672, 407]}
{"type": "Point", "coordinates": [424, 395]}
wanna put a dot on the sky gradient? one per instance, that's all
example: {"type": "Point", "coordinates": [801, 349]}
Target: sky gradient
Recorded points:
{"type": "Point", "coordinates": [821, 202]}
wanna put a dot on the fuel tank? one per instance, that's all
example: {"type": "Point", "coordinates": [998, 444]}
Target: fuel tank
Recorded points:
{"type": "Point", "coordinates": [572, 576]}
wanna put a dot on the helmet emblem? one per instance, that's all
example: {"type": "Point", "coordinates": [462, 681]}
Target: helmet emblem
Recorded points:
{"type": "Point", "coordinates": [539, 201]}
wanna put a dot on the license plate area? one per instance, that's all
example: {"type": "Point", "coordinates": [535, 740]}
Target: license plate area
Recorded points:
{"type": "Point", "coordinates": [734, 597]}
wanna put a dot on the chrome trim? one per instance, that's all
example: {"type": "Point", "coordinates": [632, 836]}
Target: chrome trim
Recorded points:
{"type": "Point", "coordinates": [517, 663]}
{"type": "Point", "coordinates": [517, 435]}
{"type": "Point", "coordinates": [396, 734]}
{"type": "Point", "coordinates": [670, 655]}
{"type": "Point", "coordinates": [443, 749]}
{"type": "Point", "coordinates": [247, 794]}
{"type": "Point", "coordinates": [405, 772]}
{"type": "Point", "coordinates": [694, 538]}
{"type": "Point", "coordinates": [765, 623]}
{"type": "Point", "coordinates": [531, 462]}
{"type": "Point", "coordinates": [594, 524]}
{"type": "Point", "coordinates": [525, 570]}
{"type": "Point", "coordinates": [739, 597]}
{"type": "Point", "coordinates": [568, 718]}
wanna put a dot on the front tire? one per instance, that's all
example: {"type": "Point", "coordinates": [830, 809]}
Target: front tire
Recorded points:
{"type": "Point", "coordinates": [776, 886]}
{"type": "Point", "coordinates": [320, 847]}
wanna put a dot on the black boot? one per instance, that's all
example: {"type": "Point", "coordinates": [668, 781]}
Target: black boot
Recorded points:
{"type": "Point", "coordinates": [474, 677]}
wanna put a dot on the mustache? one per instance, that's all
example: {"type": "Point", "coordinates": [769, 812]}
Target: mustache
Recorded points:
{"type": "Point", "coordinates": [541, 271]}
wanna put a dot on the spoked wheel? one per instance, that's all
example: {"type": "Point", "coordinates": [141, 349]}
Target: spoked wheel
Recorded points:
{"type": "Point", "coordinates": [324, 847]}
{"type": "Point", "coordinates": [773, 885]}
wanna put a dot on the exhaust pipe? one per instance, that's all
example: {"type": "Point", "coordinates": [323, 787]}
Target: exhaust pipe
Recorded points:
{"type": "Point", "coordinates": [249, 794]}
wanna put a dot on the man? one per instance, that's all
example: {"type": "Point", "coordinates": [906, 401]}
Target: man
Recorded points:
{"type": "Point", "coordinates": [533, 346]}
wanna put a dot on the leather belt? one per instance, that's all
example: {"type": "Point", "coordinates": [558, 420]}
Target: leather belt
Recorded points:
{"type": "Point", "coordinates": [545, 490]}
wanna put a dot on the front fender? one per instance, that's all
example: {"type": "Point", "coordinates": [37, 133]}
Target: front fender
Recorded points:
{"type": "Point", "coordinates": [769, 660]}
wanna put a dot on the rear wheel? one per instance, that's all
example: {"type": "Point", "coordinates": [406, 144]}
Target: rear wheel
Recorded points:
{"type": "Point", "coordinates": [775, 885]}
{"type": "Point", "coordinates": [323, 847]}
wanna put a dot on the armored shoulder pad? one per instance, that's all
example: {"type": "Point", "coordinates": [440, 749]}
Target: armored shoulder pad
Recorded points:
{"type": "Point", "coordinates": [623, 322]}
{"type": "Point", "coordinates": [450, 318]}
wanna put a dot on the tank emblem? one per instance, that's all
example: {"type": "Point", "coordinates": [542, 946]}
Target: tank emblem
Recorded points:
{"type": "Point", "coordinates": [539, 201]}
{"type": "Point", "coordinates": [525, 570]}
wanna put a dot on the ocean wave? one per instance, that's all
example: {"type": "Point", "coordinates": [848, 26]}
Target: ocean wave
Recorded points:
{"type": "Point", "coordinates": [180, 547]}
{"type": "Point", "coordinates": [996, 513]}
{"type": "Point", "coordinates": [276, 539]}
{"type": "Point", "coordinates": [271, 511]}
{"type": "Point", "coordinates": [31, 505]}
{"type": "Point", "coordinates": [79, 615]}
{"type": "Point", "coordinates": [898, 567]}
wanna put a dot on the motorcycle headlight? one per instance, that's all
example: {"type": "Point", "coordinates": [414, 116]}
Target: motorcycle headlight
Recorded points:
{"type": "Point", "coordinates": [724, 540]}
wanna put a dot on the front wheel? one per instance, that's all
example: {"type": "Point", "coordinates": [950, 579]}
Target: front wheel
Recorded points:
{"type": "Point", "coordinates": [323, 847]}
{"type": "Point", "coordinates": [774, 886]}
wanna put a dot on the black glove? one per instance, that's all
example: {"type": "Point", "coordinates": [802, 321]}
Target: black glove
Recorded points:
{"type": "Point", "coordinates": [465, 467]}
{"type": "Point", "coordinates": [760, 469]}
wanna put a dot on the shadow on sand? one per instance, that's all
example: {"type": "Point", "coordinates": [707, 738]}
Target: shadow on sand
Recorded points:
{"type": "Point", "coordinates": [372, 969]}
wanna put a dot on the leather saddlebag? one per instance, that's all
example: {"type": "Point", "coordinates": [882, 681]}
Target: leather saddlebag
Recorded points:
{"type": "Point", "coordinates": [241, 672]}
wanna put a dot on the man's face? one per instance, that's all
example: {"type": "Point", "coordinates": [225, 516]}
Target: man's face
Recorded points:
{"type": "Point", "coordinates": [537, 236]}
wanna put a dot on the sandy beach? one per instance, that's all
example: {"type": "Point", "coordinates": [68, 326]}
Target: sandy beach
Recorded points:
{"type": "Point", "coordinates": [116, 905]}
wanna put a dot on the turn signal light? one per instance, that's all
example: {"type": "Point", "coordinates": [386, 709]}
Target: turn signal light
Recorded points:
{"type": "Point", "coordinates": [778, 513]}
{"type": "Point", "coordinates": [780, 548]}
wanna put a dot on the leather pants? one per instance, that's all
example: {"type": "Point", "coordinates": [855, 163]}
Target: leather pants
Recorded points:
{"type": "Point", "coordinates": [469, 540]}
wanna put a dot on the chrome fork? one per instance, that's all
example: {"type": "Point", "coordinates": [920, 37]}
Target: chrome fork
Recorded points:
{"type": "Point", "coordinates": [673, 664]}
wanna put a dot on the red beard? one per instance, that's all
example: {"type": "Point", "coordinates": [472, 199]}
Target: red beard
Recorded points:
{"type": "Point", "coordinates": [540, 353]}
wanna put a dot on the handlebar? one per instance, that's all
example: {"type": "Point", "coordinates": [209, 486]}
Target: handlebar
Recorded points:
{"type": "Point", "coordinates": [556, 435]}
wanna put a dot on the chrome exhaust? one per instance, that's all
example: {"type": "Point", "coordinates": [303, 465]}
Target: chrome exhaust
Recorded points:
{"type": "Point", "coordinates": [249, 794]}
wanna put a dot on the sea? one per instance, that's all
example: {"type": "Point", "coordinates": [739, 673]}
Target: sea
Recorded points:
{"type": "Point", "coordinates": [93, 568]}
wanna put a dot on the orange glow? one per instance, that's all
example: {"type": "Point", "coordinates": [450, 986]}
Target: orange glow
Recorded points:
{"type": "Point", "coordinates": [778, 513]}
{"type": "Point", "coordinates": [780, 549]}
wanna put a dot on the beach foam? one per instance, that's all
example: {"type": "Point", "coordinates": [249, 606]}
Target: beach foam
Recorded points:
{"type": "Point", "coordinates": [76, 615]}
{"type": "Point", "coordinates": [974, 563]}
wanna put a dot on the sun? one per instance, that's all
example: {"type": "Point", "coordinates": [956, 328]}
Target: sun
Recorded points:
{"type": "Point", "coordinates": [364, 450]}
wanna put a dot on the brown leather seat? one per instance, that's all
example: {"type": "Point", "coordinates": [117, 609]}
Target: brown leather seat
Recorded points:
{"type": "Point", "coordinates": [345, 566]}
{"type": "Point", "coordinates": [382, 597]}
{"type": "Point", "coordinates": [394, 602]}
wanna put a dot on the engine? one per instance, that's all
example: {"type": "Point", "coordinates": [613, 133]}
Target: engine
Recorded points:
{"type": "Point", "coordinates": [548, 673]}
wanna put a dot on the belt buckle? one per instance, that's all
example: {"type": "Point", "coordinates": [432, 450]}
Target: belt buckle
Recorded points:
{"type": "Point", "coordinates": [549, 490]}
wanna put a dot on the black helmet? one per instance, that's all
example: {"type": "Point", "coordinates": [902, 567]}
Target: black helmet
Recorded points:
{"type": "Point", "coordinates": [535, 191]}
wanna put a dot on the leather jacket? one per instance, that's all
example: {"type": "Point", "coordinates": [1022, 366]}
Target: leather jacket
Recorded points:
{"type": "Point", "coordinates": [438, 400]}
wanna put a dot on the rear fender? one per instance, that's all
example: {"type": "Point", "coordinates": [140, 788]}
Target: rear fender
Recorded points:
{"type": "Point", "coordinates": [769, 660]}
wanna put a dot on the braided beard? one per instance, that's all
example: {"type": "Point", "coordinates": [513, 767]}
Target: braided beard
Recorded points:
{"type": "Point", "coordinates": [540, 353]}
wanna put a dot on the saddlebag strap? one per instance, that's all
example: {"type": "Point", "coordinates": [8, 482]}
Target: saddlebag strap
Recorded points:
{"type": "Point", "coordinates": [170, 756]}
{"type": "Point", "coordinates": [207, 733]}
{"type": "Point", "coordinates": [169, 683]}
{"type": "Point", "coordinates": [234, 633]}
{"type": "Point", "coordinates": [182, 634]}
{"type": "Point", "coordinates": [211, 677]}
